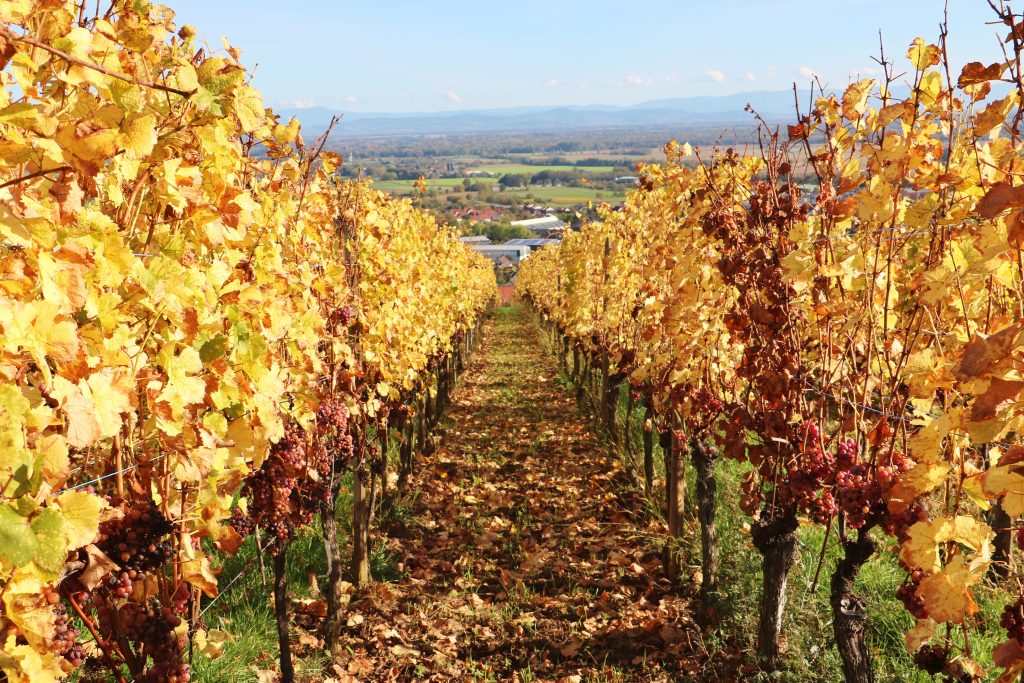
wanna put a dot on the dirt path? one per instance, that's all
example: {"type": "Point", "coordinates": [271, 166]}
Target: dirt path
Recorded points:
{"type": "Point", "coordinates": [520, 559]}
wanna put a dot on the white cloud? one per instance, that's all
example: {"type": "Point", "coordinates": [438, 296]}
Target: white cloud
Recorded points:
{"type": "Point", "coordinates": [673, 78]}
{"type": "Point", "coordinates": [633, 80]}
{"type": "Point", "coordinates": [808, 72]}
{"type": "Point", "coordinates": [770, 71]}
{"type": "Point", "coordinates": [351, 99]}
{"type": "Point", "coordinates": [871, 71]}
{"type": "Point", "coordinates": [298, 104]}
{"type": "Point", "coordinates": [715, 75]}
{"type": "Point", "coordinates": [453, 96]}
{"type": "Point", "coordinates": [551, 82]}
{"type": "Point", "coordinates": [750, 76]}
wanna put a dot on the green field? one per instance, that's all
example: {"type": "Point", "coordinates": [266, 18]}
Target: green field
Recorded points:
{"type": "Point", "coordinates": [502, 169]}
{"type": "Point", "coordinates": [406, 186]}
{"type": "Point", "coordinates": [570, 195]}
{"type": "Point", "coordinates": [564, 196]}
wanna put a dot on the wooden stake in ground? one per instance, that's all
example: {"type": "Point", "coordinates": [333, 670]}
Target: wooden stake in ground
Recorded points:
{"type": "Point", "coordinates": [281, 612]}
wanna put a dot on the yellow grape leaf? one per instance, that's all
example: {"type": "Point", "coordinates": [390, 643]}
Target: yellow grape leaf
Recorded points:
{"type": "Point", "coordinates": [920, 633]}
{"type": "Point", "coordinates": [855, 98]}
{"type": "Point", "coordinates": [994, 115]}
{"type": "Point", "coordinates": [63, 277]}
{"type": "Point", "coordinates": [111, 398]}
{"type": "Point", "coordinates": [919, 213]}
{"type": "Point", "coordinates": [249, 108]}
{"type": "Point", "coordinates": [25, 664]}
{"type": "Point", "coordinates": [286, 135]}
{"type": "Point", "coordinates": [1006, 481]}
{"type": "Point", "coordinates": [81, 512]}
{"type": "Point", "coordinates": [138, 136]}
{"type": "Point", "coordinates": [931, 86]}
{"type": "Point", "coordinates": [926, 372]}
{"type": "Point", "coordinates": [947, 594]}
{"type": "Point", "coordinates": [24, 604]}
{"type": "Point", "coordinates": [50, 455]}
{"type": "Point", "coordinates": [924, 477]}
{"type": "Point", "coordinates": [196, 570]}
{"type": "Point", "coordinates": [922, 55]}
{"type": "Point", "coordinates": [40, 540]}
{"type": "Point", "coordinates": [81, 424]}
{"type": "Point", "coordinates": [183, 387]}
{"type": "Point", "coordinates": [921, 549]}
{"type": "Point", "coordinates": [973, 486]}
{"type": "Point", "coordinates": [211, 643]}
{"type": "Point", "coordinates": [330, 161]}
{"type": "Point", "coordinates": [926, 444]}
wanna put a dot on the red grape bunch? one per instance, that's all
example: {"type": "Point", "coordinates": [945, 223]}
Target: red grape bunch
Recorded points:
{"type": "Point", "coordinates": [137, 542]}
{"type": "Point", "coordinates": [1013, 620]}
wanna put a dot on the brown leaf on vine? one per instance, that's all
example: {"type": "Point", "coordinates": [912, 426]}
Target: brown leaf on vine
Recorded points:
{"type": "Point", "coordinates": [98, 567]}
{"type": "Point", "coordinates": [999, 198]}
{"type": "Point", "coordinates": [1000, 392]}
{"type": "Point", "coordinates": [975, 72]}
{"type": "Point", "coordinates": [7, 49]}
{"type": "Point", "coordinates": [981, 353]}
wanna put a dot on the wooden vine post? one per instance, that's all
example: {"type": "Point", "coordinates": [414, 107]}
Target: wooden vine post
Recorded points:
{"type": "Point", "coordinates": [675, 490]}
{"type": "Point", "coordinates": [648, 436]}
{"type": "Point", "coordinates": [704, 458]}
{"type": "Point", "coordinates": [333, 621]}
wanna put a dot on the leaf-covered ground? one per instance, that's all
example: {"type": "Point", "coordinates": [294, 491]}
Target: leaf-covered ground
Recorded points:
{"type": "Point", "coordinates": [521, 556]}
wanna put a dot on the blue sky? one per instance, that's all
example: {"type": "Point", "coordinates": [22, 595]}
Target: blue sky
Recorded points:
{"type": "Point", "coordinates": [417, 55]}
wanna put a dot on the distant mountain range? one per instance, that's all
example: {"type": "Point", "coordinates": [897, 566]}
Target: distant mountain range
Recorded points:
{"type": "Point", "coordinates": [729, 109]}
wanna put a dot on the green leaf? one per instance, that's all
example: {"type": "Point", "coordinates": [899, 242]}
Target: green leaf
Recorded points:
{"type": "Point", "coordinates": [213, 349]}
{"type": "Point", "coordinates": [41, 541]}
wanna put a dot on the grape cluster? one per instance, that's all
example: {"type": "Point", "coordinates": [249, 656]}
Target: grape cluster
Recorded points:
{"type": "Point", "coordinates": [911, 599]}
{"type": "Point", "coordinates": [812, 435]}
{"type": "Point", "coordinates": [934, 659]}
{"type": "Point", "coordinates": [153, 629]}
{"type": "Point", "coordinates": [64, 633]}
{"type": "Point", "coordinates": [270, 488]}
{"type": "Point", "coordinates": [897, 524]}
{"type": "Point", "coordinates": [1013, 620]}
{"type": "Point", "coordinates": [930, 659]}
{"type": "Point", "coordinates": [138, 540]}
{"type": "Point", "coordinates": [294, 479]}
{"type": "Point", "coordinates": [860, 494]}
{"type": "Point", "coordinates": [344, 316]}
{"type": "Point", "coordinates": [846, 453]}
{"type": "Point", "coordinates": [806, 484]}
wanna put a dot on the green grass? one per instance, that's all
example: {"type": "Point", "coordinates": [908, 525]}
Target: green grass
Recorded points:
{"type": "Point", "coordinates": [569, 195]}
{"type": "Point", "coordinates": [502, 169]}
{"type": "Point", "coordinates": [407, 186]}
{"type": "Point", "coordinates": [566, 196]}
{"type": "Point", "coordinates": [244, 611]}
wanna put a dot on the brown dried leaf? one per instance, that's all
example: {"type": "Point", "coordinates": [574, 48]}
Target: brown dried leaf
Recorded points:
{"type": "Point", "coordinates": [975, 72]}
